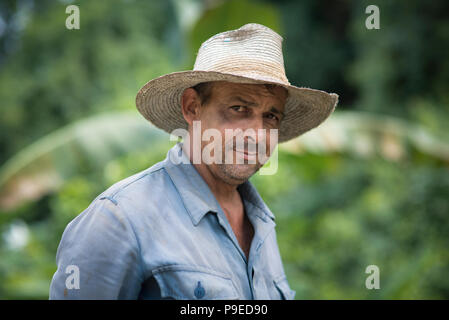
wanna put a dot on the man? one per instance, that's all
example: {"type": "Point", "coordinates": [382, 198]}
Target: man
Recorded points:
{"type": "Point", "coordinates": [193, 226]}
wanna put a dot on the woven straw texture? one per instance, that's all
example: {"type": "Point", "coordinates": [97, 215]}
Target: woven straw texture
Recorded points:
{"type": "Point", "coordinates": [251, 54]}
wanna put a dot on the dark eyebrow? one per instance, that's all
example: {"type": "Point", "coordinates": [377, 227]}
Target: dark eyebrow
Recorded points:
{"type": "Point", "coordinates": [247, 103]}
{"type": "Point", "coordinates": [243, 101]}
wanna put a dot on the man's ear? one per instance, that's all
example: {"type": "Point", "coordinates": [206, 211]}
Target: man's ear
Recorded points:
{"type": "Point", "coordinates": [190, 105]}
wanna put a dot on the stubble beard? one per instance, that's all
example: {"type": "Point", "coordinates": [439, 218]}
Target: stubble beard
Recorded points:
{"type": "Point", "coordinates": [237, 173]}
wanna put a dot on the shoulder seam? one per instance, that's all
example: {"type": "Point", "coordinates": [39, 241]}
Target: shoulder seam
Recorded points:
{"type": "Point", "coordinates": [121, 188]}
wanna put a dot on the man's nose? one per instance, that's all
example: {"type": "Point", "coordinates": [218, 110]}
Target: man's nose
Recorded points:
{"type": "Point", "coordinates": [255, 128]}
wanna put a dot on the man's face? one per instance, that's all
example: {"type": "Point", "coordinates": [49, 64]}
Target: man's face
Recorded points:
{"type": "Point", "coordinates": [241, 106]}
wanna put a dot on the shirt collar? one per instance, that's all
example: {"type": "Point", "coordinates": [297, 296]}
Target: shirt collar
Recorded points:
{"type": "Point", "coordinates": [196, 194]}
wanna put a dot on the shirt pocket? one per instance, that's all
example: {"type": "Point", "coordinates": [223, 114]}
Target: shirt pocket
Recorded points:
{"type": "Point", "coordinates": [192, 283]}
{"type": "Point", "coordinates": [282, 286]}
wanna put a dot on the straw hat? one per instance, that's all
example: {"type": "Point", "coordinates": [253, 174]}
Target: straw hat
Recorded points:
{"type": "Point", "coordinates": [251, 54]}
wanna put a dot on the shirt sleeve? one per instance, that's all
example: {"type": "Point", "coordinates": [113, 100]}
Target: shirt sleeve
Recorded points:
{"type": "Point", "coordinates": [98, 256]}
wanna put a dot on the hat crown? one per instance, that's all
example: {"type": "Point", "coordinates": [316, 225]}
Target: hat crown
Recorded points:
{"type": "Point", "coordinates": [253, 50]}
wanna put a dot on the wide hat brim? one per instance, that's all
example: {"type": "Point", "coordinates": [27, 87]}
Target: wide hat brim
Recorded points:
{"type": "Point", "coordinates": [159, 101]}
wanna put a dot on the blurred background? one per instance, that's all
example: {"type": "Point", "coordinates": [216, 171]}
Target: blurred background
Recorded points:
{"type": "Point", "coordinates": [368, 187]}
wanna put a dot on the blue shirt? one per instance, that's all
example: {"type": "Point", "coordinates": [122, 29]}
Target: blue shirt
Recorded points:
{"type": "Point", "coordinates": [162, 234]}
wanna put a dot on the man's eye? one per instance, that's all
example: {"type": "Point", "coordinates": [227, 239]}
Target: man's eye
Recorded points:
{"type": "Point", "coordinates": [239, 108]}
{"type": "Point", "coordinates": [272, 116]}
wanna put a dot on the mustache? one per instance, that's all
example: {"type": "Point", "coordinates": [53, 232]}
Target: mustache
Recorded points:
{"type": "Point", "coordinates": [246, 146]}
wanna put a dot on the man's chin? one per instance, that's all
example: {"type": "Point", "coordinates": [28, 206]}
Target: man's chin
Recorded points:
{"type": "Point", "coordinates": [239, 173]}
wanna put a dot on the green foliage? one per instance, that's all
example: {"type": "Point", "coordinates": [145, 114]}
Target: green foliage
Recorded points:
{"type": "Point", "coordinates": [79, 148]}
{"type": "Point", "coordinates": [60, 75]}
{"type": "Point", "coordinates": [340, 214]}
{"type": "Point", "coordinates": [400, 69]}
{"type": "Point", "coordinates": [336, 211]}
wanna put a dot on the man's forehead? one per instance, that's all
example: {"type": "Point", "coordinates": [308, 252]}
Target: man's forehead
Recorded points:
{"type": "Point", "coordinates": [232, 90]}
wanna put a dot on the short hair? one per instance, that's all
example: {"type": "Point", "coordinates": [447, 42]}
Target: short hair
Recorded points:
{"type": "Point", "coordinates": [204, 90]}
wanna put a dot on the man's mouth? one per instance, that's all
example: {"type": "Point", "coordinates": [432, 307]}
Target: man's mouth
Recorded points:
{"type": "Point", "coordinates": [246, 154]}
